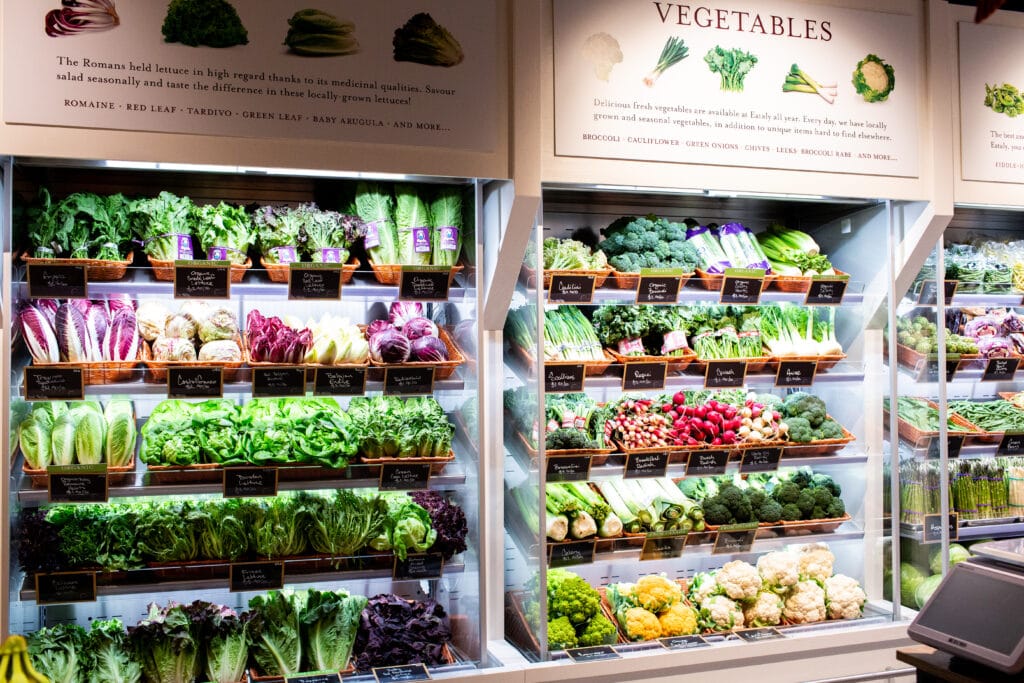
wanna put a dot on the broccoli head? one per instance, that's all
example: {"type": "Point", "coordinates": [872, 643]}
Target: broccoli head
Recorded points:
{"type": "Point", "coordinates": [756, 497]}
{"type": "Point", "coordinates": [829, 429]}
{"type": "Point", "coordinates": [806, 502]}
{"type": "Point", "coordinates": [214, 23]}
{"type": "Point", "coordinates": [599, 631]}
{"type": "Point", "coordinates": [423, 41]}
{"type": "Point", "coordinates": [716, 513]}
{"type": "Point", "coordinates": [576, 599]}
{"type": "Point", "coordinates": [733, 498]}
{"type": "Point", "coordinates": [802, 404]}
{"type": "Point", "coordinates": [785, 493]}
{"type": "Point", "coordinates": [826, 482]}
{"type": "Point", "coordinates": [822, 497]}
{"type": "Point", "coordinates": [802, 477]}
{"type": "Point", "coordinates": [568, 439]}
{"type": "Point", "coordinates": [818, 513]}
{"type": "Point", "coordinates": [561, 634]}
{"type": "Point", "coordinates": [837, 508]}
{"type": "Point", "coordinates": [800, 430]}
{"type": "Point", "coordinates": [790, 512]}
{"type": "Point", "coordinates": [769, 511]}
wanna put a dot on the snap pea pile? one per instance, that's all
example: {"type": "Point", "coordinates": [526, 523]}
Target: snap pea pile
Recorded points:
{"type": "Point", "coordinates": [917, 413]}
{"type": "Point", "coordinates": [992, 416]}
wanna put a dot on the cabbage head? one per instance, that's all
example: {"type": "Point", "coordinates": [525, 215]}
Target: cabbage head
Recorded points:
{"type": "Point", "coordinates": [220, 324]}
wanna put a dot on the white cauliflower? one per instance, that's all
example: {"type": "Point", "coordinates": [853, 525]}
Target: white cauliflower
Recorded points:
{"type": "Point", "coordinates": [603, 52]}
{"type": "Point", "coordinates": [719, 613]}
{"type": "Point", "coordinates": [845, 597]}
{"type": "Point", "coordinates": [702, 587]}
{"type": "Point", "coordinates": [805, 603]}
{"type": "Point", "coordinates": [765, 610]}
{"type": "Point", "coordinates": [739, 580]}
{"type": "Point", "coordinates": [779, 569]}
{"type": "Point", "coordinates": [815, 561]}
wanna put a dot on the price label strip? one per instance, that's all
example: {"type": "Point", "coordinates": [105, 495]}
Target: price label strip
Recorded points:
{"type": "Point", "coordinates": [683, 642]}
{"type": "Point", "coordinates": [202, 280]}
{"type": "Point", "coordinates": [735, 538]}
{"type": "Point", "coordinates": [567, 554]}
{"type": "Point", "coordinates": [57, 281]}
{"type": "Point", "coordinates": [1012, 443]}
{"type": "Point", "coordinates": [250, 482]}
{"type": "Point", "coordinates": [955, 445]}
{"type": "Point", "coordinates": [78, 483]}
{"type": "Point", "coordinates": [339, 381]}
{"type": "Point", "coordinates": [278, 382]}
{"type": "Point", "coordinates": [424, 283]}
{"type": "Point", "coordinates": [933, 528]}
{"type": "Point", "coordinates": [63, 588]}
{"type": "Point", "coordinates": [796, 373]}
{"type": "Point", "coordinates": [928, 292]}
{"type": "Point", "coordinates": [314, 281]}
{"type": "Point", "coordinates": [644, 376]}
{"type": "Point", "coordinates": [596, 653]}
{"type": "Point", "coordinates": [760, 460]}
{"type": "Point", "coordinates": [405, 672]}
{"type": "Point", "coordinates": [569, 467]}
{"type": "Point", "coordinates": [1000, 369]}
{"type": "Point", "coordinates": [571, 289]}
{"type": "Point", "coordinates": [753, 635]}
{"type": "Point", "coordinates": [404, 476]}
{"type": "Point", "coordinates": [256, 576]}
{"type": "Point", "coordinates": [827, 290]}
{"type": "Point", "coordinates": [659, 285]}
{"type": "Point", "coordinates": [707, 463]}
{"type": "Point", "coordinates": [315, 677]}
{"type": "Point", "coordinates": [665, 545]}
{"type": "Point", "coordinates": [417, 567]}
{"type": "Point", "coordinates": [563, 379]}
{"type": "Point", "coordinates": [195, 382]}
{"type": "Point", "coordinates": [646, 465]}
{"type": "Point", "coordinates": [742, 286]}
{"type": "Point", "coordinates": [53, 384]}
{"type": "Point", "coordinates": [725, 374]}
{"type": "Point", "coordinates": [408, 381]}
{"type": "Point", "coordinates": [932, 368]}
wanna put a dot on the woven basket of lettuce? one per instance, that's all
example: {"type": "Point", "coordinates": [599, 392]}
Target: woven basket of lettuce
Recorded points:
{"type": "Point", "coordinates": [565, 257]}
{"type": "Point", "coordinates": [636, 243]}
{"type": "Point", "coordinates": [288, 235]}
{"type": "Point", "coordinates": [644, 334]}
{"type": "Point", "coordinates": [795, 258]}
{"type": "Point", "coordinates": [79, 433]}
{"type": "Point", "coordinates": [411, 226]}
{"type": "Point", "coordinates": [101, 337]}
{"type": "Point", "coordinates": [396, 430]}
{"type": "Point", "coordinates": [198, 335]}
{"type": "Point", "coordinates": [83, 228]}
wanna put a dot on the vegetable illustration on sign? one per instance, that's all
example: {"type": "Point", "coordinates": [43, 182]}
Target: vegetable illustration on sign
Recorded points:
{"type": "Point", "coordinates": [424, 41]}
{"type": "Point", "coordinates": [76, 16]}
{"type": "Point", "coordinates": [732, 65]}
{"type": "Point", "coordinates": [673, 52]}
{"type": "Point", "coordinates": [315, 33]}
{"type": "Point", "coordinates": [873, 79]}
{"type": "Point", "coordinates": [214, 23]}
{"type": "Point", "coordinates": [1004, 99]}
{"type": "Point", "coordinates": [603, 52]}
{"type": "Point", "coordinates": [797, 80]}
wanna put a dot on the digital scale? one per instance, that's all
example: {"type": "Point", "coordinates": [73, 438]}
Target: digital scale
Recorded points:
{"type": "Point", "coordinates": [977, 612]}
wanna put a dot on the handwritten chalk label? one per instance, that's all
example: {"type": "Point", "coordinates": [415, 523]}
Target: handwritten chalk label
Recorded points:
{"type": "Point", "coordinates": [760, 460]}
{"type": "Point", "coordinates": [256, 576]}
{"type": "Point", "coordinates": [195, 382]}
{"type": "Point", "coordinates": [339, 381]}
{"type": "Point", "coordinates": [659, 285]}
{"type": "Point", "coordinates": [706, 463]}
{"type": "Point", "coordinates": [52, 281]}
{"type": "Point", "coordinates": [245, 482]}
{"type": "Point", "coordinates": [955, 445]}
{"type": "Point", "coordinates": [641, 465]}
{"type": "Point", "coordinates": [644, 376]}
{"type": "Point", "coordinates": [280, 381]}
{"type": "Point", "coordinates": [725, 374]}
{"type": "Point", "coordinates": [1000, 369]}
{"type": "Point", "coordinates": [418, 566]}
{"type": "Point", "coordinates": [793, 373]}
{"type": "Point", "coordinates": [665, 545]}
{"type": "Point", "coordinates": [54, 384]}
{"type": "Point", "coordinates": [742, 286]}
{"type": "Point", "coordinates": [1012, 443]}
{"type": "Point", "coordinates": [826, 290]}
{"type": "Point", "coordinates": [596, 653]}
{"type": "Point", "coordinates": [408, 476]}
{"type": "Point", "coordinates": [566, 554]}
{"type": "Point", "coordinates": [405, 672]}
{"type": "Point", "coordinates": [928, 292]}
{"type": "Point", "coordinates": [424, 283]}
{"type": "Point", "coordinates": [735, 538]}
{"type": "Point", "coordinates": [571, 289]}
{"type": "Point", "coordinates": [77, 483]}
{"type": "Point", "coordinates": [753, 635]}
{"type": "Point", "coordinates": [932, 368]}
{"type": "Point", "coordinates": [568, 467]}
{"type": "Point", "coordinates": [316, 281]}
{"type": "Point", "coordinates": [933, 528]}
{"type": "Point", "coordinates": [408, 381]}
{"type": "Point", "coordinates": [683, 642]}
{"type": "Point", "coordinates": [320, 677]}
{"type": "Point", "coordinates": [202, 280]}
{"type": "Point", "coordinates": [562, 379]}
{"type": "Point", "coordinates": [65, 587]}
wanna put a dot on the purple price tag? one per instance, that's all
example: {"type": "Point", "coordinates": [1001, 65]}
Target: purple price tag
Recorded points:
{"type": "Point", "coordinates": [449, 238]}
{"type": "Point", "coordinates": [286, 254]}
{"type": "Point", "coordinates": [217, 254]}
{"type": "Point", "coordinates": [185, 252]}
{"type": "Point", "coordinates": [372, 237]}
{"type": "Point", "coordinates": [421, 240]}
{"type": "Point", "coordinates": [330, 255]}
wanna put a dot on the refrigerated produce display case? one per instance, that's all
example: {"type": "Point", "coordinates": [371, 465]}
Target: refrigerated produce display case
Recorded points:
{"type": "Point", "coordinates": [693, 453]}
{"type": "Point", "coordinates": [220, 442]}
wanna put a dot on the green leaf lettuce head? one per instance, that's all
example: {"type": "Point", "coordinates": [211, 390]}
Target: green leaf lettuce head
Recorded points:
{"type": "Point", "coordinates": [167, 644]}
{"type": "Point", "coordinates": [110, 656]}
{"type": "Point", "coordinates": [375, 206]}
{"type": "Point", "coordinates": [214, 23]}
{"type": "Point", "coordinates": [331, 620]}
{"type": "Point", "coordinates": [156, 221]}
{"type": "Point", "coordinates": [873, 79]}
{"type": "Point", "coordinates": [223, 225]}
{"type": "Point", "coordinates": [275, 629]}
{"type": "Point", "coordinates": [315, 33]}
{"type": "Point", "coordinates": [424, 41]}
{"type": "Point", "coordinates": [58, 652]}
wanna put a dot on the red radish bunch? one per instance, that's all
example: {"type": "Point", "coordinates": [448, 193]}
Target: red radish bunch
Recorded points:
{"type": "Point", "coordinates": [721, 424]}
{"type": "Point", "coordinates": [638, 424]}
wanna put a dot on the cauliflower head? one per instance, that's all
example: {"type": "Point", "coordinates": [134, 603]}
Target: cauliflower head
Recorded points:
{"type": "Point", "coordinates": [639, 624]}
{"type": "Point", "coordinates": [815, 561]}
{"type": "Point", "coordinates": [599, 631]}
{"type": "Point", "coordinates": [740, 580]}
{"type": "Point", "coordinates": [561, 634]}
{"type": "Point", "coordinates": [575, 599]}
{"type": "Point", "coordinates": [702, 587]}
{"type": "Point", "coordinates": [779, 570]}
{"type": "Point", "coordinates": [655, 592]}
{"type": "Point", "coordinates": [765, 610]}
{"type": "Point", "coordinates": [844, 597]}
{"type": "Point", "coordinates": [719, 613]}
{"type": "Point", "coordinates": [678, 620]}
{"type": "Point", "coordinates": [805, 603]}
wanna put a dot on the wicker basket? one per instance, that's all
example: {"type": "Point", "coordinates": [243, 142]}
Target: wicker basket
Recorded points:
{"type": "Point", "coordinates": [754, 365]}
{"type": "Point", "coordinates": [825, 363]}
{"type": "Point", "coordinates": [917, 437]}
{"type": "Point", "coordinates": [675, 363]}
{"type": "Point", "coordinates": [911, 359]}
{"type": "Point", "coordinates": [528, 276]}
{"type": "Point", "coordinates": [599, 456]}
{"type": "Point", "coordinates": [96, 270]}
{"type": "Point", "coordinates": [814, 526]}
{"type": "Point", "coordinates": [713, 282]}
{"type": "Point", "coordinates": [437, 465]}
{"type": "Point", "coordinates": [822, 447]}
{"type": "Point", "coordinates": [279, 272]}
{"type": "Point", "coordinates": [592, 368]}
{"type": "Point", "coordinates": [164, 270]}
{"type": "Point", "coordinates": [116, 476]}
{"type": "Point", "coordinates": [632, 280]}
{"type": "Point", "coordinates": [443, 369]}
{"type": "Point", "coordinates": [391, 274]}
{"type": "Point", "coordinates": [795, 284]}
{"type": "Point", "coordinates": [103, 372]}
{"type": "Point", "coordinates": [606, 608]}
{"type": "Point", "coordinates": [157, 369]}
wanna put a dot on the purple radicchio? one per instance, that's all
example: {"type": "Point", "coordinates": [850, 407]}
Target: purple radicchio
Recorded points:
{"type": "Point", "coordinates": [1012, 322]}
{"type": "Point", "coordinates": [378, 326]}
{"type": "Point", "coordinates": [402, 312]}
{"type": "Point", "coordinates": [995, 347]}
{"type": "Point", "coordinates": [121, 342]}
{"type": "Point", "coordinates": [272, 341]}
{"type": "Point", "coordinates": [389, 346]}
{"type": "Point", "coordinates": [428, 350]}
{"type": "Point", "coordinates": [96, 321]}
{"type": "Point", "coordinates": [419, 327]}
{"type": "Point", "coordinates": [39, 335]}
{"type": "Point", "coordinates": [73, 339]}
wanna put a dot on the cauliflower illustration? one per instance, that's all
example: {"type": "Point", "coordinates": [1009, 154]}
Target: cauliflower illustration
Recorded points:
{"type": "Point", "coordinates": [805, 603]}
{"type": "Point", "coordinates": [845, 597]}
{"type": "Point", "coordinates": [765, 610]}
{"type": "Point", "coordinates": [719, 613]}
{"type": "Point", "coordinates": [603, 52]}
{"type": "Point", "coordinates": [815, 561]}
{"type": "Point", "coordinates": [779, 570]}
{"type": "Point", "coordinates": [739, 580]}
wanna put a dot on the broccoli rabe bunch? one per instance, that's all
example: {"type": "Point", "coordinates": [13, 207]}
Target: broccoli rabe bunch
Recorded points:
{"type": "Point", "coordinates": [648, 242]}
{"type": "Point", "coordinates": [574, 612]}
{"type": "Point", "coordinates": [807, 419]}
{"type": "Point", "coordinates": [807, 495]}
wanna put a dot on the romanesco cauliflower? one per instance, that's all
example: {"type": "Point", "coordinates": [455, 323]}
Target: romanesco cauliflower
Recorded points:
{"type": "Point", "coordinates": [561, 634]}
{"type": "Point", "coordinates": [678, 620]}
{"type": "Point", "coordinates": [765, 610]}
{"type": "Point", "coordinates": [719, 613]}
{"type": "Point", "coordinates": [779, 570]}
{"type": "Point", "coordinates": [845, 597]}
{"type": "Point", "coordinates": [805, 603]}
{"type": "Point", "coordinates": [739, 580]}
{"type": "Point", "coordinates": [599, 631]}
{"type": "Point", "coordinates": [574, 598]}
{"type": "Point", "coordinates": [639, 624]}
{"type": "Point", "coordinates": [655, 592]}
{"type": "Point", "coordinates": [815, 561]}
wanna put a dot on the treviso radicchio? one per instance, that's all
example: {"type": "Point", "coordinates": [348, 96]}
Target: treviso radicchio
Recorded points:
{"type": "Point", "coordinates": [271, 341]}
{"type": "Point", "coordinates": [39, 335]}
{"type": "Point", "coordinates": [428, 350]}
{"type": "Point", "coordinates": [419, 327]}
{"type": "Point", "coordinates": [73, 338]}
{"type": "Point", "coordinates": [402, 312]}
{"type": "Point", "coordinates": [389, 346]}
{"type": "Point", "coordinates": [121, 341]}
